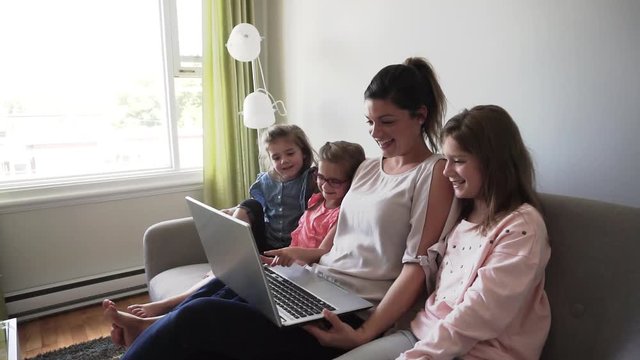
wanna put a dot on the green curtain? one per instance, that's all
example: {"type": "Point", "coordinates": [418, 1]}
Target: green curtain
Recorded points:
{"type": "Point", "coordinates": [230, 149]}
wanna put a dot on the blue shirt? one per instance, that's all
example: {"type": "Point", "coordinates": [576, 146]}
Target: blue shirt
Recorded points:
{"type": "Point", "coordinates": [283, 204]}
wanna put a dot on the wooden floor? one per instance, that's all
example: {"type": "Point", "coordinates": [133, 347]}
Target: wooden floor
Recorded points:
{"type": "Point", "coordinates": [68, 328]}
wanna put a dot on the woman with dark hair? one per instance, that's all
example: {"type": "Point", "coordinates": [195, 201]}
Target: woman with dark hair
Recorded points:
{"type": "Point", "coordinates": [398, 205]}
{"type": "Point", "coordinates": [489, 300]}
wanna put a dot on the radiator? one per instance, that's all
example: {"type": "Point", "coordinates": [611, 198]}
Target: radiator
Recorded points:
{"type": "Point", "coordinates": [54, 298]}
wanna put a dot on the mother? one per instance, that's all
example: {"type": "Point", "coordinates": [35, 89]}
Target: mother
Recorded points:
{"type": "Point", "coordinates": [396, 208]}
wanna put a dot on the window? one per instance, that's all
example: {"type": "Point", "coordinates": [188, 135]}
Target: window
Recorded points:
{"type": "Point", "coordinates": [98, 90]}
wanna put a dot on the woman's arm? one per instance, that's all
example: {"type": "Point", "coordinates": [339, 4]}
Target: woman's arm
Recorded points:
{"type": "Point", "coordinates": [407, 287]}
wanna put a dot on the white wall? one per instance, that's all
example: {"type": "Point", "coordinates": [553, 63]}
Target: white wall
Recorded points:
{"type": "Point", "coordinates": [52, 245]}
{"type": "Point", "coordinates": [567, 71]}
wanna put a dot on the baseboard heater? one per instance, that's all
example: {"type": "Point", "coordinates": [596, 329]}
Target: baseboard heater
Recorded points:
{"type": "Point", "coordinates": [46, 300]}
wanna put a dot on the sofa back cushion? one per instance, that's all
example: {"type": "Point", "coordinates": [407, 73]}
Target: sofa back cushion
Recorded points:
{"type": "Point", "coordinates": [593, 279]}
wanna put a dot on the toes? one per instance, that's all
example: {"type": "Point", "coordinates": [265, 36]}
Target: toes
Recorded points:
{"type": "Point", "coordinates": [106, 303]}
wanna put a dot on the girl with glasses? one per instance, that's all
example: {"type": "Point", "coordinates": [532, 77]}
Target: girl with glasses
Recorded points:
{"type": "Point", "coordinates": [313, 237]}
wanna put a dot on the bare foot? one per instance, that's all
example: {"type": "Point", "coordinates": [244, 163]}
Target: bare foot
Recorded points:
{"type": "Point", "coordinates": [125, 327]}
{"type": "Point", "coordinates": [151, 309]}
{"type": "Point", "coordinates": [117, 334]}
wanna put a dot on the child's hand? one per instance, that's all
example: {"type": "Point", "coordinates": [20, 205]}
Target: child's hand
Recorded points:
{"type": "Point", "coordinates": [283, 257]}
{"type": "Point", "coordinates": [266, 259]}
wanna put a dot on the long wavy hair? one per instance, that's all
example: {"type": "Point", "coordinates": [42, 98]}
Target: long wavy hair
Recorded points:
{"type": "Point", "coordinates": [508, 178]}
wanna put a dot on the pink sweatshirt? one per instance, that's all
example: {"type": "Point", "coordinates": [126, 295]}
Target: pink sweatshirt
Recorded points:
{"type": "Point", "coordinates": [489, 301]}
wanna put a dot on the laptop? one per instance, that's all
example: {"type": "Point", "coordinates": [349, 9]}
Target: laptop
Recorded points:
{"type": "Point", "coordinates": [286, 295]}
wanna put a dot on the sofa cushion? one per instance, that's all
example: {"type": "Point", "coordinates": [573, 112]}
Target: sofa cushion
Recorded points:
{"type": "Point", "coordinates": [593, 279]}
{"type": "Point", "coordinates": [175, 281]}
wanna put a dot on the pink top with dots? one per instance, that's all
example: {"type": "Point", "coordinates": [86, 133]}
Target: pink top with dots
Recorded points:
{"type": "Point", "coordinates": [489, 301]}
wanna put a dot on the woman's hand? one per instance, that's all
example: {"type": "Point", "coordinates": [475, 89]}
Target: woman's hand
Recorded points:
{"type": "Point", "coordinates": [339, 335]}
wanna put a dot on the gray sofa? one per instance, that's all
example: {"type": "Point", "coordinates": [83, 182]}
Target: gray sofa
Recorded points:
{"type": "Point", "coordinates": [593, 278]}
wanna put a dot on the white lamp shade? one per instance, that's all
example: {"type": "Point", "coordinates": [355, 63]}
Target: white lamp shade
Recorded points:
{"type": "Point", "coordinates": [244, 42]}
{"type": "Point", "coordinates": [257, 111]}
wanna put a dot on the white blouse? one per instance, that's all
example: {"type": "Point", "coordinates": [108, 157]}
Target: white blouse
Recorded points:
{"type": "Point", "coordinates": [379, 228]}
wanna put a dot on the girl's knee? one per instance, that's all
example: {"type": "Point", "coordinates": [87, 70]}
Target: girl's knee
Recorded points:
{"type": "Point", "coordinates": [251, 209]}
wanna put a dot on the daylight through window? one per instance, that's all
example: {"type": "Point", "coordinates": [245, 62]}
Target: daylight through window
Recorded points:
{"type": "Point", "coordinates": [98, 89]}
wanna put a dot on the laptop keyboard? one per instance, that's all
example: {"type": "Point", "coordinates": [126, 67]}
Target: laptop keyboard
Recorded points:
{"type": "Point", "coordinates": [292, 298]}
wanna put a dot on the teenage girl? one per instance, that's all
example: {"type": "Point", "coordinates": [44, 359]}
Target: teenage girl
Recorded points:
{"type": "Point", "coordinates": [489, 300]}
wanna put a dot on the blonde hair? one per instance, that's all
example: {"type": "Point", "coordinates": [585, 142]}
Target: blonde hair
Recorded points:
{"type": "Point", "coordinates": [293, 133]}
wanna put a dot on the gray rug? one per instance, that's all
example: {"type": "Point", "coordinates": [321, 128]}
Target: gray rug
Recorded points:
{"type": "Point", "coordinates": [98, 349]}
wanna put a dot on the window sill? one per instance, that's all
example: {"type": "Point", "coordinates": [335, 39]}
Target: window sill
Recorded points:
{"type": "Point", "coordinates": [84, 192]}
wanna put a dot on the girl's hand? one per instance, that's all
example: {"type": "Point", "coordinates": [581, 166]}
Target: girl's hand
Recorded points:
{"type": "Point", "coordinates": [339, 335]}
{"type": "Point", "coordinates": [266, 259]}
{"type": "Point", "coordinates": [283, 257]}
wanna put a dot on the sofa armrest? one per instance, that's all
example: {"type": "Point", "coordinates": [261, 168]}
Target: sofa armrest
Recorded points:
{"type": "Point", "coordinates": [170, 244]}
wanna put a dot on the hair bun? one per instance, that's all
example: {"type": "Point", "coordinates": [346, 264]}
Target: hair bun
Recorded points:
{"type": "Point", "coordinates": [417, 63]}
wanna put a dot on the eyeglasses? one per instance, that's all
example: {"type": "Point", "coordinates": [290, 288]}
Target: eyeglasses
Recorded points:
{"type": "Point", "coordinates": [334, 183]}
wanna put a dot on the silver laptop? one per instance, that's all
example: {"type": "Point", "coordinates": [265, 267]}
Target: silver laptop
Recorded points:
{"type": "Point", "coordinates": [286, 295]}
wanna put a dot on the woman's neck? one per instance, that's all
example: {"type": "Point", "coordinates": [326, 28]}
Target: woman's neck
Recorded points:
{"type": "Point", "coordinates": [401, 163]}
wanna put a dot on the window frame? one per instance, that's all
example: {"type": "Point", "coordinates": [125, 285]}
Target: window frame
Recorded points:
{"type": "Point", "coordinates": [63, 191]}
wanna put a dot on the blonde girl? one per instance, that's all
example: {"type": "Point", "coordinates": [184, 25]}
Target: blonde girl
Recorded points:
{"type": "Point", "coordinates": [279, 196]}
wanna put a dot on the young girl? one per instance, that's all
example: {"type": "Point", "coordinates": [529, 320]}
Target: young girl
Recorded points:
{"type": "Point", "coordinates": [489, 300]}
{"type": "Point", "coordinates": [313, 237]}
{"type": "Point", "coordinates": [279, 196]}
{"type": "Point", "coordinates": [278, 199]}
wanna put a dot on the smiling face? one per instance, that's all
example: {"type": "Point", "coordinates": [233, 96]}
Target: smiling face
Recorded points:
{"type": "Point", "coordinates": [395, 130]}
{"type": "Point", "coordinates": [286, 158]}
{"type": "Point", "coordinates": [332, 181]}
{"type": "Point", "coordinates": [463, 170]}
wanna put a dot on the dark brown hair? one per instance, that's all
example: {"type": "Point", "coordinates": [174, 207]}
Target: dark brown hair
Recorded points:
{"type": "Point", "coordinates": [409, 86]}
{"type": "Point", "coordinates": [508, 180]}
